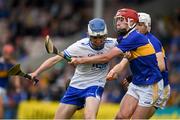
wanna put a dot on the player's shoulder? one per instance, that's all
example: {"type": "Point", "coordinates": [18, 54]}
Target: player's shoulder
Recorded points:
{"type": "Point", "coordinates": [135, 37]}
{"type": "Point", "coordinates": [9, 64]}
{"type": "Point", "coordinates": [86, 39]}
{"type": "Point", "coordinates": [110, 40]}
{"type": "Point", "coordinates": [83, 41]}
{"type": "Point", "coordinates": [152, 37]}
{"type": "Point", "coordinates": [77, 48]}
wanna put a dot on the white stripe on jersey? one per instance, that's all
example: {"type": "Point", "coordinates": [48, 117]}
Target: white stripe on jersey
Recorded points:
{"type": "Point", "coordinates": [87, 75]}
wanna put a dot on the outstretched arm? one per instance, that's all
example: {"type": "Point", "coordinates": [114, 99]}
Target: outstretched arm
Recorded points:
{"type": "Point", "coordinates": [103, 58]}
{"type": "Point", "coordinates": [46, 65]}
{"type": "Point", "coordinates": [113, 74]}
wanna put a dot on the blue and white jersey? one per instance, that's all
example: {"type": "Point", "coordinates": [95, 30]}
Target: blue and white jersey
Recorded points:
{"type": "Point", "coordinates": [87, 75]}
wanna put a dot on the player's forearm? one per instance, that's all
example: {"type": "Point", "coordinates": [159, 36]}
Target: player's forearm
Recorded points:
{"type": "Point", "coordinates": [96, 59]}
{"type": "Point", "coordinates": [113, 74]}
{"type": "Point", "coordinates": [48, 64]}
{"type": "Point", "coordinates": [103, 58]}
{"type": "Point", "coordinates": [119, 68]}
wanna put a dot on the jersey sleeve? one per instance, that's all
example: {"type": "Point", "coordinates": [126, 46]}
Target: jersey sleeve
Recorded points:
{"type": "Point", "coordinates": [130, 43]}
{"type": "Point", "coordinates": [157, 45]}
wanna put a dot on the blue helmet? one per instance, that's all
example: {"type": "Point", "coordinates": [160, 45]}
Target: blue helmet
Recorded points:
{"type": "Point", "coordinates": [97, 27]}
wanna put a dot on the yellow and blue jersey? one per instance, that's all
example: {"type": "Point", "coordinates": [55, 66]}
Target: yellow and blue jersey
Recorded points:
{"type": "Point", "coordinates": [4, 79]}
{"type": "Point", "coordinates": [143, 61]}
{"type": "Point", "coordinates": [159, 48]}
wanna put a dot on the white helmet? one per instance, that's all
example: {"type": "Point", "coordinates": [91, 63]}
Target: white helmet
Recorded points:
{"type": "Point", "coordinates": [97, 27]}
{"type": "Point", "coordinates": [146, 19]}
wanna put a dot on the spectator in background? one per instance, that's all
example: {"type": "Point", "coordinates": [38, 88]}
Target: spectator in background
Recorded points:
{"type": "Point", "coordinates": [174, 55]}
{"type": "Point", "coordinates": [174, 58]}
{"type": "Point", "coordinates": [6, 62]}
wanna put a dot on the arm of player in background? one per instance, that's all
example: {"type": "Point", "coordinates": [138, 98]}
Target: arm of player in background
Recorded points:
{"type": "Point", "coordinates": [46, 65]}
{"type": "Point", "coordinates": [159, 53]}
{"type": "Point", "coordinates": [117, 69]}
{"type": "Point", "coordinates": [160, 60]}
{"type": "Point", "coordinates": [103, 58]}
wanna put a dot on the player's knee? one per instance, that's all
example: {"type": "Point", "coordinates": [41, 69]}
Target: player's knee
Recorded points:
{"type": "Point", "coordinates": [89, 115]}
{"type": "Point", "coordinates": [122, 116]}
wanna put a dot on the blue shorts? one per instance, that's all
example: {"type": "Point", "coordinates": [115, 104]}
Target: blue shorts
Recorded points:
{"type": "Point", "coordinates": [75, 96]}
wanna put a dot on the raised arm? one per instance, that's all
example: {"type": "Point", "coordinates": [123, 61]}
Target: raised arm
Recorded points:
{"type": "Point", "coordinates": [103, 58]}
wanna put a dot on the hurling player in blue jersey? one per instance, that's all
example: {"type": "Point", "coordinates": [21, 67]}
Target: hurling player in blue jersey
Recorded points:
{"type": "Point", "coordinates": [147, 83]}
{"type": "Point", "coordinates": [144, 27]}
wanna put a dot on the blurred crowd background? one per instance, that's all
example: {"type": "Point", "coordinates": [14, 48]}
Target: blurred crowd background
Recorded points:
{"type": "Point", "coordinates": [24, 23]}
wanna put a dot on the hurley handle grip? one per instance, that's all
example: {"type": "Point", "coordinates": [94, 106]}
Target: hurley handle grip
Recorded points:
{"type": "Point", "coordinates": [67, 58]}
{"type": "Point", "coordinates": [35, 81]}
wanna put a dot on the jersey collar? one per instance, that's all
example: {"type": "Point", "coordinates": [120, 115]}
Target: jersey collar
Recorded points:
{"type": "Point", "coordinates": [129, 33]}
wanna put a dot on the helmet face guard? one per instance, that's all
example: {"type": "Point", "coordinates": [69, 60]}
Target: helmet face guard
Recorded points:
{"type": "Point", "coordinates": [97, 30]}
{"type": "Point", "coordinates": [97, 43]}
{"type": "Point", "coordinates": [129, 15]}
{"type": "Point", "coordinates": [123, 31]}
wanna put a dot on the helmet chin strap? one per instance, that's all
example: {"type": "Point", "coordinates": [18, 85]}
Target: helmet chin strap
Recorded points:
{"type": "Point", "coordinates": [129, 24]}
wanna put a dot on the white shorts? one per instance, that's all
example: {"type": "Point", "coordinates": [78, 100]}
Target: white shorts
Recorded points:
{"type": "Point", "coordinates": [148, 95]}
{"type": "Point", "coordinates": [164, 97]}
{"type": "Point", "coordinates": [2, 92]}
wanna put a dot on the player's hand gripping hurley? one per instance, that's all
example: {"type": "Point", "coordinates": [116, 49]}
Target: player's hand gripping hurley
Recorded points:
{"type": "Point", "coordinates": [51, 49]}
{"type": "Point", "coordinates": [16, 70]}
